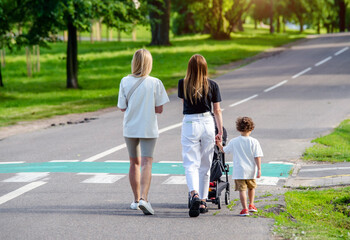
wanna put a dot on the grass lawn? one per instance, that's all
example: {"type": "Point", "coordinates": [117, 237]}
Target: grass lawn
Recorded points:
{"type": "Point", "coordinates": [317, 214]}
{"type": "Point", "coordinates": [334, 147]}
{"type": "Point", "coordinates": [313, 214]}
{"type": "Point", "coordinates": [103, 64]}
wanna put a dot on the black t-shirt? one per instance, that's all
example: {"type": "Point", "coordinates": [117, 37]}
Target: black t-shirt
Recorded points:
{"type": "Point", "coordinates": [204, 104]}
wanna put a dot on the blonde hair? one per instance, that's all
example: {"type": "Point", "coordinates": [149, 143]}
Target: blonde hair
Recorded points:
{"type": "Point", "coordinates": [196, 85]}
{"type": "Point", "coordinates": [141, 64]}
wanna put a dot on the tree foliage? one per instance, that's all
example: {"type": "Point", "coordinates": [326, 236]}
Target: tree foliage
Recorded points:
{"type": "Point", "coordinates": [221, 17]}
{"type": "Point", "coordinates": [42, 19]}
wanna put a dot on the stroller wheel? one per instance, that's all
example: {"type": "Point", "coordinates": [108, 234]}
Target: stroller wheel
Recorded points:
{"type": "Point", "coordinates": [227, 198]}
{"type": "Point", "coordinates": [218, 201]}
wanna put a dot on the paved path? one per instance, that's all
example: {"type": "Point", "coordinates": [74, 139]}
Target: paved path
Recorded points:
{"type": "Point", "coordinates": [293, 97]}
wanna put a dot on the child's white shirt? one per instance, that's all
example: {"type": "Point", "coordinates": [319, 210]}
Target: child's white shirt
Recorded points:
{"type": "Point", "coordinates": [244, 150]}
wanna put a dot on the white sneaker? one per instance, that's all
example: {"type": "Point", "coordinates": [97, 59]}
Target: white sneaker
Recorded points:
{"type": "Point", "coordinates": [134, 206]}
{"type": "Point", "coordinates": [146, 207]}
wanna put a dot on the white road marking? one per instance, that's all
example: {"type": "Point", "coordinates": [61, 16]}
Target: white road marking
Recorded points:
{"type": "Point", "coordinates": [20, 191]}
{"type": "Point", "coordinates": [105, 153]}
{"type": "Point", "coordinates": [64, 161]}
{"type": "Point", "coordinates": [175, 180]}
{"type": "Point", "coordinates": [275, 86]}
{"type": "Point", "coordinates": [301, 73]}
{"type": "Point", "coordinates": [341, 51]}
{"type": "Point", "coordinates": [101, 178]}
{"type": "Point", "coordinates": [118, 161]}
{"type": "Point", "coordinates": [170, 127]}
{"type": "Point", "coordinates": [160, 175]}
{"type": "Point", "coordinates": [267, 180]}
{"type": "Point", "coordinates": [323, 169]}
{"type": "Point", "coordinates": [323, 61]}
{"type": "Point", "coordinates": [286, 163]}
{"type": "Point", "coordinates": [244, 100]}
{"type": "Point", "coordinates": [170, 161]}
{"type": "Point", "coordinates": [27, 177]}
{"type": "Point", "coordinates": [11, 162]}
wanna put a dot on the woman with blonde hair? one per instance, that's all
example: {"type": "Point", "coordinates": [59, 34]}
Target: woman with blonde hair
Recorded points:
{"type": "Point", "coordinates": [199, 94]}
{"type": "Point", "coordinates": [140, 98]}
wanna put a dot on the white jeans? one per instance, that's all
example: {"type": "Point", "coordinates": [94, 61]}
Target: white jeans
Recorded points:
{"type": "Point", "coordinates": [198, 140]}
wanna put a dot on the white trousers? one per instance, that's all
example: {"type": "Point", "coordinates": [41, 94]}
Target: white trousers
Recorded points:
{"type": "Point", "coordinates": [198, 140]}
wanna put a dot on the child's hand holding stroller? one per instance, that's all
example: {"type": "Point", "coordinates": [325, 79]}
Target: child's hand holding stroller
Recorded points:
{"type": "Point", "coordinates": [219, 144]}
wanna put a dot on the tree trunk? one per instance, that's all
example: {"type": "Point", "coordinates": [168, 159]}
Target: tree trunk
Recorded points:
{"type": "Point", "coordinates": [342, 15]}
{"type": "Point", "coordinates": [110, 35]}
{"type": "Point", "coordinates": [160, 22]}
{"type": "Point", "coordinates": [134, 32]}
{"type": "Point", "coordinates": [1, 83]}
{"type": "Point", "coordinates": [38, 58]}
{"type": "Point", "coordinates": [72, 57]}
{"type": "Point", "coordinates": [2, 65]}
{"type": "Point", "coordinates": [3, 53]}
{"type": "Point", "coordinates": [119, 36]}
{"type": "Point", "coordinates": [99, 31]}
{"type": "Point", "coordinates": [301, 24]}
{"type": "Point", "coordinates": [92, 30]}
{"type": "Point", "coordinates": [272, 29]}
{"type": "Point", "coordinates": [65, 36]}
{"type": "Point", "coordinates": [29, 62]}
{"type": "Point", "coordinates": [278, 24]}
{"type": "Point", "coordinates": [34, 60]}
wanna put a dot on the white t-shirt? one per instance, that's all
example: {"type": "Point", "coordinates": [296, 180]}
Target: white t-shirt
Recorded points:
{"type": "Point", "coordinates": [140, 119]}
{"type": "Point", "coordinates": [244, 150]}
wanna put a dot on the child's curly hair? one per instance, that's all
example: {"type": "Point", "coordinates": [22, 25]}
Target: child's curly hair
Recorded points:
{"type": "Point", "coordinates": [244, 124]}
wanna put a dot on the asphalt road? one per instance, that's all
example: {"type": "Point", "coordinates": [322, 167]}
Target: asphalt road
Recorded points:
{"type": "Point", "coordinates": [293, 97]}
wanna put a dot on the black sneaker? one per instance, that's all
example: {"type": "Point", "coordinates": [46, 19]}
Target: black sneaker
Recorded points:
{"type": "Point", "coordinates": [194, 208]}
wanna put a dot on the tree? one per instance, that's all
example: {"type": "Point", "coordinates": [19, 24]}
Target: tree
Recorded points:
{"type": "Point", "coordinates": [261, 11]}
{"type": "Point", "coordinates": [300, 10]}
{"type": "Point", "coordinates": [49, 16]}
{"type": "Point", "coordinates": [159, 14]}
{"type": "Point", "coordinates": [184, 20]}
{"type": "Point", "coordinates": [342, 14]}
{"type": "Point", "coordinates": [222, 17]}
{"type": "Point", "coordinates": [10, 15]}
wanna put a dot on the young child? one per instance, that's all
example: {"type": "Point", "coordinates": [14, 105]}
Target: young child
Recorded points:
{"type": "Point", "coordinates": [247, 155]}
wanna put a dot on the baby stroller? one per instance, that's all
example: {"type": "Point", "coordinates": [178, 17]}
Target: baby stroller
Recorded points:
{"type": "Point", "coordinates": [217, 184]}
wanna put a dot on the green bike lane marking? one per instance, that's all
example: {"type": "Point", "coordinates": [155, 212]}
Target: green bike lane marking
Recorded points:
{"type": "Point", "coordinates": [267, 169]}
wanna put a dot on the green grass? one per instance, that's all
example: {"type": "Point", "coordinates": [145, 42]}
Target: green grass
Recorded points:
{"type": "Point", "coordinates": [322, 214]}
{"type": "Point", "coordinates": [103, 64]}
{"type": "Point", "coordinates": [334, 147]}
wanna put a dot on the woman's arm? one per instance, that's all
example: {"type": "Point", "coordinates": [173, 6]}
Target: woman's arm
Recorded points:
{"type": "Point", "coordinates": [159, 109]}
{"type": "Point", "coordinates": [218, 120]}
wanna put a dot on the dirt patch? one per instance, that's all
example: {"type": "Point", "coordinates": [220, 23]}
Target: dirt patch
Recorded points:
{"type": "Point", "coordinates": [29, 126]}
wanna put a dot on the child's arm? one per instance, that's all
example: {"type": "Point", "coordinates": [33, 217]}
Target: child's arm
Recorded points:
{"type": "Point", "coordinates": [258, 163]}
{"type": "Point", "coordinates": [219, 144]}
